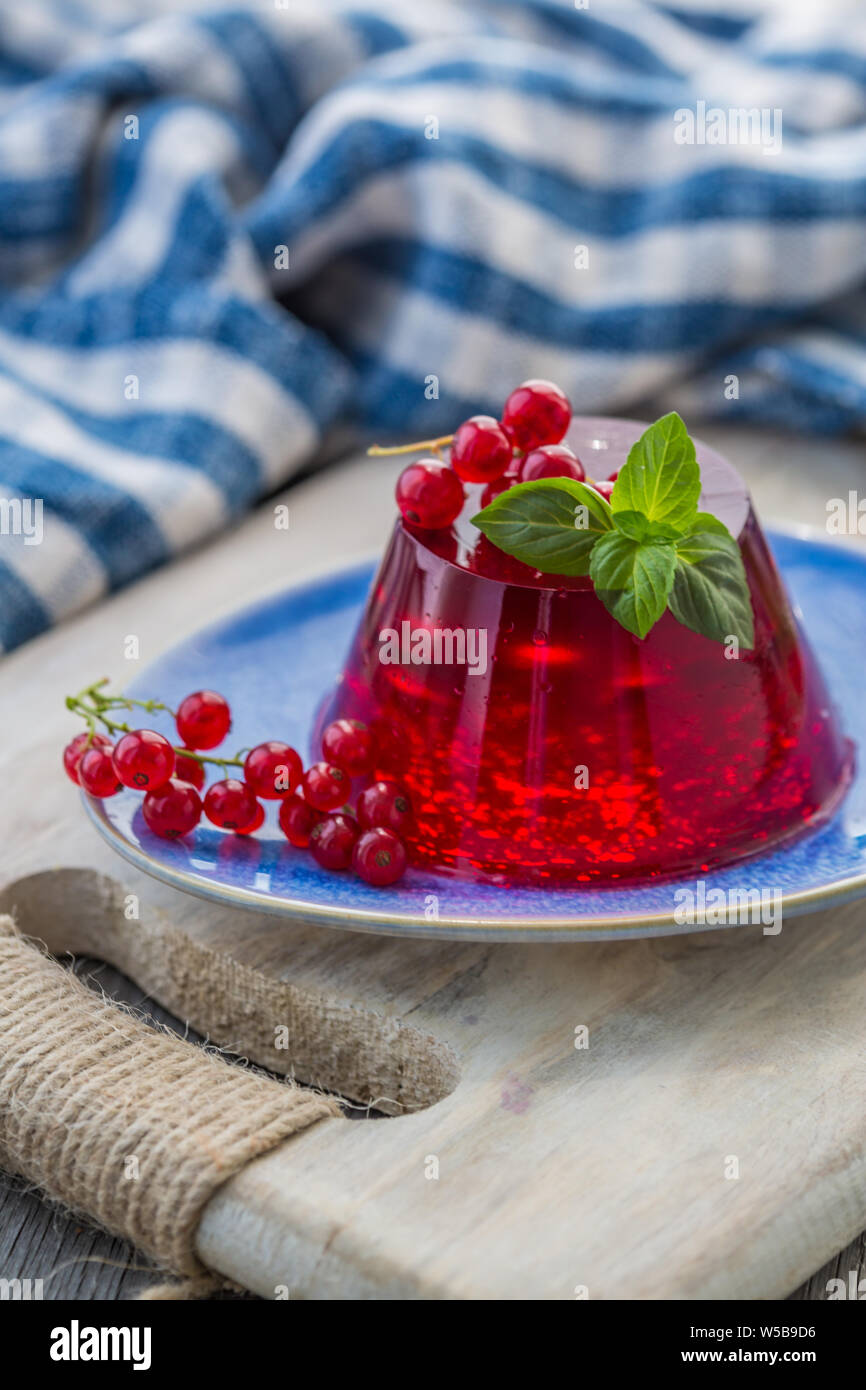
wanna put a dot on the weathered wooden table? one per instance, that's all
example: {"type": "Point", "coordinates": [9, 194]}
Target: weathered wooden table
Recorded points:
{"type": "Point", "coordinates": [341, 516]}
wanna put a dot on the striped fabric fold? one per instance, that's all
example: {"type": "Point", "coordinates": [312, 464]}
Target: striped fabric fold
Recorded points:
{"type": "Point", "coordinates": [227, 230]}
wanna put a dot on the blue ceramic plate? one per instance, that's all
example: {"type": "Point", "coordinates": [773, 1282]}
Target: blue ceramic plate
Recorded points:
{"type": "Point", "coordinates": [276, 661]}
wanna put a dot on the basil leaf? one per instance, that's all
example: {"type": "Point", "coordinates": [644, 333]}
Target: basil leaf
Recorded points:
{"type": "Point", "coordinates": [640, 528]}
{"type": "Point", "coordinates": [551, 524]}
{"type": "Point", "coordinates": [633, 579]}
{"type": "Point", "coordinates": [661, 478]}
{"type": "Point", "coordinates": [705, 521]}
{"type": "Point", "coordinates": [710, 592]}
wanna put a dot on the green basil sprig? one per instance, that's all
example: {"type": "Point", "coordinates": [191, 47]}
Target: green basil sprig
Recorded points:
{"type": "Point", "coordinates": [646, 550]}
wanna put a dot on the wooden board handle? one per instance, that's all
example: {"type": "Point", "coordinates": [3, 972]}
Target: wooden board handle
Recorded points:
{"type": "Point", "coordinates": [122, 1121]}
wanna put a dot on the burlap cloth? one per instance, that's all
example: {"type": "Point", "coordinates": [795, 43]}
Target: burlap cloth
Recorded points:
{"type": "Point", "coordinates": [121, 1121]}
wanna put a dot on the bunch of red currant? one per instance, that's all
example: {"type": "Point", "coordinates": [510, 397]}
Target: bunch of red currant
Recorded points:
{"type": "Point", "coordinates": [520, 448]}
{"type": "Point", "coordinates": [314, 813]}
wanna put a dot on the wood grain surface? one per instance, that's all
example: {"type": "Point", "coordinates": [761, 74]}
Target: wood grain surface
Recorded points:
{"type": "Point", "coordinates": [558, 1168]}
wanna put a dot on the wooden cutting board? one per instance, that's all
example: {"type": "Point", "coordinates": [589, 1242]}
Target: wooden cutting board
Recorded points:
{"type": "Point", "coordinates": [709, 1140]}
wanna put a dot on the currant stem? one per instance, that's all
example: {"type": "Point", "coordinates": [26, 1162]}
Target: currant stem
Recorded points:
{"type": "Point", "coordinates": [124, 702]}
{"type": "Point", "coordinates": [92, 690]}
{"type": "Point", "coordinates": [434, 445]}
{"type": "Point", "coordinates": [205, 758]}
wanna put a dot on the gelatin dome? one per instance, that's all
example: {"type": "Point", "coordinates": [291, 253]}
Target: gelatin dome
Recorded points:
{"type": "Point", "coordinates": [569, 751]}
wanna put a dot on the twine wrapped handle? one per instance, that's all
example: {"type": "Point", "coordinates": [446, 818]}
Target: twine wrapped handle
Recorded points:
{"type": "Point", "coordinates": [122, 1121]}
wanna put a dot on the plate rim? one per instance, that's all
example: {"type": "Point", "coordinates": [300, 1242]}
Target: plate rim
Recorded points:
{"type": "Point", "coordinates": [383, 922]}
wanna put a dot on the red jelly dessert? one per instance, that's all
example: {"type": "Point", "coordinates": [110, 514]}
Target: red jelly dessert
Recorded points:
{"type": "Point", "coordinates": [542, 743]}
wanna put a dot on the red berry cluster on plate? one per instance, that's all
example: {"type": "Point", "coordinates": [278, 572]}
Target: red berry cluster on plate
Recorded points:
{"type": "Point", "coordinates": [521, 447]}
{"type": "Point", "coordinates": [314, 811]}
{"type": "Point", "coordinates": [366, 840]}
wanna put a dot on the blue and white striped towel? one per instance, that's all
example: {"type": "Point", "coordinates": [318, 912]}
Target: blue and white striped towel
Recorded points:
{"type": "Point", "coordinates": [225, 230]}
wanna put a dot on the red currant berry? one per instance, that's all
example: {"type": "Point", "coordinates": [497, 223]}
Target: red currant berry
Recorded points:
{"type": "Point", "coordinates": [144, 760]}
{"type": "Point", "coordinates": [605, 488]}
{"type": "Point", "coordinates": [326, 786]}
{"type": "Point", "coordinates": [96, 773]}
{"type": "Point", "coordinates": [230, 804]}
{"type": "Point", "coordinates": [379, 857]}
{"type": "Point", "coordinates": [551, 461]}
{"type": "Point", "coordinates": [203, 719]}
{"type": "Point", "coordinates": [494, 490]}
{"type": "Point", "coordinates": [272, 770]}
{"type": "Point", "coordinates": [347, 743]}
{"type": "Point", "coordinates": [257, 820]}
{"type": "Point", "coordinates": [332, 841]}
{"type": "Point", "coordinates": [189, 770]}
{"type": "Point", "coordinates": [297, 820]}
{"type": "Point", "coordinates": [173, 809]}
{"type": "Point", "coordinates": [429, 494]}
{"type": "Point", "coordinates": [384, 804]}
{"type": "Point", "coordinates": [613, 477]}
{"type": "Point", "coordinates": [536, 413]}
{"type": "Point", "coordinates": [73, 752]}
{"type": "Point", "coordinates": [481, 450]}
